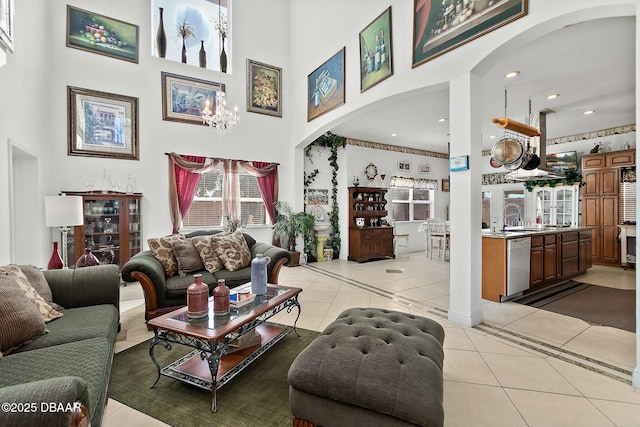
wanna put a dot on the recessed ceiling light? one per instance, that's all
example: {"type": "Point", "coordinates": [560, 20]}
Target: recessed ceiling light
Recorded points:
{"type": "Point", "coordinates": [492, 137]}
{"type": "Point", "coordinates": [553, 96]}
{"type": "Point", "coordinates": [394, 134]}
{"type": "Point", "coordinates": [442, 119]}
{"type": "Point", "coordinates": [512, 74]}
{"type": "Point", "coordinates": [589, 112]}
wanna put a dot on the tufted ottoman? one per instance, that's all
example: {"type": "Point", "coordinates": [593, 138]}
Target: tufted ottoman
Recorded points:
{"type": "Point", "coordinates": [370, 367]}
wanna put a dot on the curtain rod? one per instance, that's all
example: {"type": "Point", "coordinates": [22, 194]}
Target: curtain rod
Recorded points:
{"type": "Point", "coordinates": [237, 160]}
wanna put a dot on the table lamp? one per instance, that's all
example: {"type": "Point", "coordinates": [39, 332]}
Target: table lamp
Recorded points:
{"type": "Point", "coordinates": [62, 211]}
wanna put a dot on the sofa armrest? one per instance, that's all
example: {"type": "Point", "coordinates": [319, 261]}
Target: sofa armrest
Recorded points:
{"type": "Point", "coordinates": [30, 404]}
{"type": "Point", "coordinates": [279, 257]}
{"type": "Point", "coordinates": [146, 269]}
{"type": "Point", "coordinates": [86, 286]}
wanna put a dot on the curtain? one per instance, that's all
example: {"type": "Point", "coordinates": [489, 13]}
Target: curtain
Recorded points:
{"type": "Point", "coordinates": [267, 176]}
{"type": "Point", "coordinates": [184, 176]}
{"type": "Point", "coordinates": [230, 190]}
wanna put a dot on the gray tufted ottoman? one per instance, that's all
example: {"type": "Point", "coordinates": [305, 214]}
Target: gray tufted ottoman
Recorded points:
{"type": "Point", "coordinates": [370, 367]}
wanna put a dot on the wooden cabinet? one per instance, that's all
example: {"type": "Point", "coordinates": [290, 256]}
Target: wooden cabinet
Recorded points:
{"type": "Point", "coordinates": [543, 265]}
{"type": "Point", "coordinates": [601, 202]}
{"type": "Point", "coordinates": [568, 254]}
{"type": "Point", "coordinates": [369, 235]}
{"type": "Point", "coordinates": [584, 250]}
{"type": "Point", "coordinates": [112, 227]}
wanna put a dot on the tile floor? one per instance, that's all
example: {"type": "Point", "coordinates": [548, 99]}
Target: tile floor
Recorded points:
{"type": "Point", "coordinates": [521, 367]}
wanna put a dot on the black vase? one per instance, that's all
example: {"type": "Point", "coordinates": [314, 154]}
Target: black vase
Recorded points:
{"type": "Point", "coordinates": [203, 55]}
{"type": "Point", "coordinates": [223, 60]}
{"type": "Point", "coordinates": [184, 53]}
{"type": "Point", "coordinates": [161, 37]}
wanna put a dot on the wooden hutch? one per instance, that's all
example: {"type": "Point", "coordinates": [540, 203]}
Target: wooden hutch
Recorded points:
{"type": "Point", "coordinates": [370, 237]}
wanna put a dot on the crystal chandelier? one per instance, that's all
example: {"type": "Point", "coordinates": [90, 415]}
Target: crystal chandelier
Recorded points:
{"type": "Point", "coordinates": [221, 118]}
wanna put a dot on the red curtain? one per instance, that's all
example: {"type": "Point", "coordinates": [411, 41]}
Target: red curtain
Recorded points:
{"type": "Point", "coordinates": [187, 183]}
{"type": "Point", "coordinates": [267, 176]}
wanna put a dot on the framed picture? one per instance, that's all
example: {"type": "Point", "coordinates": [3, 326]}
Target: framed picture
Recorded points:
{"type": "Point", "coordinates": [404, 166]}
{"type": "Point", "coordinates": [184, 98]}
{"type": "Point", "coordinates": [264, 88]}
{"type": "Point", "coordinates": [425, 168]}
{"type": "Point", "coordinates": [102, 124]}
{"type": "Point", "coordinates": [459, 163]}
{"type": "Point", "coordinates": [325, 86]}
{"type": "Point", "coordinates": [100, 34]}
{"type": "Point", "coordinates": [439, 27]}
{"type": "Point", "coordinates": [375, 51]}
{"type": "Point", "coordinates": [445, 185]}
{"type": "Point", "coordinates": [317, 197]}
{"type": "Point", "coordinates": [6, 24]}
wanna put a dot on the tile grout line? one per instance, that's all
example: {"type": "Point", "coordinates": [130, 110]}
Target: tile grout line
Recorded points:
{"type": "Point", "coordinates": [547, 349]}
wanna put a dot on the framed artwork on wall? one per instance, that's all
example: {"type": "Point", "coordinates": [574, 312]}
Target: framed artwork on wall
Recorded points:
{"type": "Point", "coordinates": [100, 34]}
{"type": "Point", "coordinates": [424, 168]}
{"type": "Point", "coordinates": [6, 24]}
{"type": "Point", "coordinates": [102, 124]}
{"type": "Point", "coordinates": [445, 185]}
{"type": "Point", "coordinates": [439, 27]}
{"type": "Point", "coordinates": [264, 88]}
{"type": "Point", "coordinates": [404, 166]}
{"type": "Point", "coordinates": [317, 197]}
{"type": "Point", "coordinates": [184, 98]}
{"type": "Point", "coordinates": [326, 86]}
{"type": "Point", "coordinates": [376, 51]}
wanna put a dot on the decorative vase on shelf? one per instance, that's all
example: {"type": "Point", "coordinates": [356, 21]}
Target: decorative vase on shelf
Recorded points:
{"type": "Point", "coordinates": [184, 52]}
{"type": "Point", "coordinates": [197, 298]}
{"type": "Point", "coordinates": [87, 259]}
{"type": "Point", "coordinates": [223, 59]}
{"type": "Point", "coordinates": [161, 37]}
{"type": "Point", "coordinates": [55, 262]}
{"type": "Point", "coordinates": [203, 55]}
{"type": "Point", "coordinates": [259, 274]}
{"type": "Point", "coordinates": [129, 188]}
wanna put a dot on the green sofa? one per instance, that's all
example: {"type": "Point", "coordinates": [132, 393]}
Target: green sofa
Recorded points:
{"type": "Point", "coordinates": [164, 294]}
{"type": "Point", "coordinates": [68, 367]}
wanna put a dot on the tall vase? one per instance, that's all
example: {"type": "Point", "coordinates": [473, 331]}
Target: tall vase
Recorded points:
{"type": "Point", "coordinates": [161, 36]}
{"type": "Point", "coordinates": [55, 262]}
{"type": "Point", "coordinates": [223, 59]}
{"type": "Point", "coordinates": [184, 53]}
{"type": "Point", "coordinates": [203, 55]}
{"type": "Point", "coordinates": [197, 298]}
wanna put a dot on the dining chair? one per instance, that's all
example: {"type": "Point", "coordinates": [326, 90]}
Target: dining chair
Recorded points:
{"type": "Point", "coordinates": [424, 228]}
{"type": "Point", "coordinates": [438, 238]}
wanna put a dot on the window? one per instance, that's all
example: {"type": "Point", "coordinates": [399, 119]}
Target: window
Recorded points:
{"type": "Point", "coordinates": [206, 210]}
{"type": "Point", "coordinates": [513, 207]}
{"type": "Point", "coordinates": [411, 204]}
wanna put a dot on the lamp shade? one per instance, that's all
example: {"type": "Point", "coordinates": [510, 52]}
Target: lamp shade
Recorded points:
{"type": "Point", "coordinates": [63, 211]}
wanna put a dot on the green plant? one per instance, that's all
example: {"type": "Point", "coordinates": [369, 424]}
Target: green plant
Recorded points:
{"type": "Point", "coordinates": [289, 225]}
{"type": "Point", "coordinates": [570, 177]}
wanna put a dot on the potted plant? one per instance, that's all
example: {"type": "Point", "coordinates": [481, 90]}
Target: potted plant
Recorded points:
{"type": "Point", "coordinates": [289, 225]}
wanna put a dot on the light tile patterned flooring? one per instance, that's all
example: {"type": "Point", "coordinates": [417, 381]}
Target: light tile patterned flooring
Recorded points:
{"type": "Point", "coordinates": [521, 367]}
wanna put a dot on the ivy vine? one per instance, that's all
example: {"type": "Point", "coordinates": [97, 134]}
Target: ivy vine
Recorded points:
{"type": "Point", "coordinates": [333, 142]}
{"type": "Point", "coordinates": [570, 177]}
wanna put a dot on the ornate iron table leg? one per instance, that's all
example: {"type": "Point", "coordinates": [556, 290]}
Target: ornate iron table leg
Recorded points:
{"type": "Point", "coordinates": [157, 339]}
{"type": "Point", "coordinates": [214, 355]}
{"type": "Point", "coordinates": [294, 303]}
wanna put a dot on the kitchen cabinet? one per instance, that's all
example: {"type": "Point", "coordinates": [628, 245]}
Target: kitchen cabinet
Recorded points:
{"type": "Point", "coordinates": [601, 202]}
{"type": "Point", "coordinates": [112, 227]}
{"type": "Point", "coordinates": [370, 236]}
{"type": "Point", "coordinates": [555, 205]}
{"type": "Point", "coordinates": [543, 259]}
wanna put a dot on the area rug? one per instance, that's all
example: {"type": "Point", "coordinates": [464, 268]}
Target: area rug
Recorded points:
{"type": "Point", "coordinates": [258, 396]}
{"type": "Point", "coordinates": [594, 304]}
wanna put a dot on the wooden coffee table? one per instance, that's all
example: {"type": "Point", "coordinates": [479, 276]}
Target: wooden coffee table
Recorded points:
{"type": "Point", "coordinates": [213, 362]}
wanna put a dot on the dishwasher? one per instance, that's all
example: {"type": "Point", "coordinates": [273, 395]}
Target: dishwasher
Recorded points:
{"type": "Point", "coordinates": [518, 266]}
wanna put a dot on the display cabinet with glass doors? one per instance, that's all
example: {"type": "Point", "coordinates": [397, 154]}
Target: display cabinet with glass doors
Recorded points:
{"type": "Point", "coordinates": [554, 205]}
{"type": "Point", "coordinates": [112, 227]}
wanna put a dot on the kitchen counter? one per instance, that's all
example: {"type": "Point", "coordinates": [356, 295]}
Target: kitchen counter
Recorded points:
{"type": "Point", "coordinates": [517, 232]}
{"type": "Point", "coordinates": [557, 254]}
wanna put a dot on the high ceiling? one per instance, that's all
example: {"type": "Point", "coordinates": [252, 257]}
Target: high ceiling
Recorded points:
{"type": "Point", "coordinates": [591, 65]}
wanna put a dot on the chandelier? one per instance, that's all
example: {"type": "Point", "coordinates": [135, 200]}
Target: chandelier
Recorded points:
{"type": "Point", "coordinates": [221, 118]}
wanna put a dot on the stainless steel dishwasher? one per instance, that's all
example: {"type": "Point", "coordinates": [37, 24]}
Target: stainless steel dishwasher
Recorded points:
{"type": "Point", "coordinates": [518, 266]}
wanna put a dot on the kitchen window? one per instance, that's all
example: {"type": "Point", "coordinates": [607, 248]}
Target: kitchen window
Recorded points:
{"type": "Point", "coordinates": [411, 204]}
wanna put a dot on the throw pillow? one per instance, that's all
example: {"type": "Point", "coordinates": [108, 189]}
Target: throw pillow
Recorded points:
{"type": "Point", "coordinates": [233, 251]}
{"type": "Point", "coordinates": [162, 249]}
{"type": "Point", "coordinates": [13, 272]}
{"type": "Point", "coordinates": [206, 246]}
{"type": "Point", "coordinates": [40, 284]}
{"type": "Point", "coordinates": [20, 320]}
{"type": "Point", "coordinates": [187, 256]}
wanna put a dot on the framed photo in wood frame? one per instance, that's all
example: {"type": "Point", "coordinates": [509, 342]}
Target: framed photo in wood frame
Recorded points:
{"type": "Point", "coordinates": [376, 60]}
{"type": "Point", "coordinates": [184, 98]}
{"type": "Point", "coordinates": [102, 124]}
{"type": "Point", "coordinates": [326, 86]}
{"type": "Point", "coordinates": [264, 89]}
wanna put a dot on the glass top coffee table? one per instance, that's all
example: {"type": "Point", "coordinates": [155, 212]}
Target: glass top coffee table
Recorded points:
{"type": "Point", "coordinates": [223, 345]}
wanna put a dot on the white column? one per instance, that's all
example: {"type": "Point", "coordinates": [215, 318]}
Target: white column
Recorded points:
{"type": "Point", "coordinates": [465, 282]}
{"type": "Point", "coordinates": [636, 372]}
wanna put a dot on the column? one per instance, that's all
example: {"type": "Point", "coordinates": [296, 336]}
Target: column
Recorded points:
{"type": "Point", "coordinates": [465, 279]}
{"type": "Point", "coordinates": [636, 372]}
